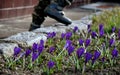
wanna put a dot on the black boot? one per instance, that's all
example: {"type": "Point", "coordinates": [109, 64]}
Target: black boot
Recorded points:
{"type": "Point", "coordinates": [33, 27]}
{"type": "Point", "coordinates": [53, 11]}
{"type": "Point", "coordinates": [36, 22]}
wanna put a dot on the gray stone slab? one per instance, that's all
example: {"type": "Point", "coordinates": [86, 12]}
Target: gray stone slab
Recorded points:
{"type": "Point", "coordinates": [54, 28]}
{"type": "Point", "coordinates": [26, 38]}
{"type": "Point", "coordinates": [87, 22]}
{"type": "Point", "coordinates": [7, 49]}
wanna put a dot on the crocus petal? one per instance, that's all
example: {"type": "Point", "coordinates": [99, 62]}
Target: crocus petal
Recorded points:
{"type": "Point", "coordinates": [88, 56]}
{"type": "Point", "coordinates": [62, 35]}
{"type": "Point", "coordinates": [17, 51]}
{"type": "Point", "coordinates": [34, 56]}
{"type": "Point", "coordinates": [27, 52]}
{"type": "Point", "coordinates": [70, 49]}
{"type": "Point", "coordinates": [113, 29]}
{"type": "Point", "coordinates": [50, 64]}
{"type": "Point", "coordinates": [41, 42]}
{"type": "Point", "coordinates": [53, 34]}
{"type": "Point", "coordinates": [52, 48]}
{"type": "Point", "coordinates": [49, 35]}
{"type": "Point", "coordinates": [68, 43]}
{"type": "Point", "coordinates": [101, 30]}
{"type": "Point", "coordinates": [75, 29]}
{"type": "Point", "coordinates": [81, 41]}
{"type": "Point", "coordinates": [34, 47]}
{"type": "Point", "coordinates": [40, 49]}
{"type": "Point", "coordinates": [114, 53]}
{"type": "Point", "coordinates": [79, 52]}
{"type": "Point", "coordinates": [87, 42]}
{"type": "Point", "coordinates": [101, 27]}
{"type": "Point", "coordinates": [96, 56]}
{"type": "Point", "coordinates": [111, 42]}
{"type": "Point", "coordinates": [101, 33]}
{"type": "Point", "coordinates": [68, 35]}
{"type": "Point", "coordinates": [93, 34]}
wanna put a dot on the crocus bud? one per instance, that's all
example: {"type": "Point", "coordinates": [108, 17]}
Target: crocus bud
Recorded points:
{"type": "Point", "coordinates": [50, 64]}
{"type": "Point", "coordinates": [80, 52]}
{"type": "Point", "coordinates": [17, 51]}
{"type": "Point", "coordinates": [114, 53]}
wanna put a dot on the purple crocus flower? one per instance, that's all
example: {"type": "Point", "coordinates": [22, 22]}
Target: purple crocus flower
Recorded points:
{"type": "Point", "coordinates": [93, 34]}
{"type": "Point", "coordinates": [113, 29]}
{"type": "Point", "coordinates": [70, 49]}
{"type": "Point", "coordinates": [34, 47]}
{"type": "Point", "coordinates": [101, 27]}
{"type": "Point", "coordinates": [34, 56]}
{"type": "Point", "coordinates": [51, 49]}
{"type": "Point", "coordinates": [75, 29]}
{"type": "Point", "coordinates": [48, 35]}
{"type": "Point", "coordinates": [68, 35]}
{"type": "Point", "coordinates": [96, 56]}
{"type": "Point", "coordinates": [40, 49]}
{"type": "Point", "coordinates": [88, 56]}
{"type": "Point", "coordinates": [27, 52]}
{"type": "Point", "coordinates": [101, 33]}
{"type": "Point", "coordinates": [79, 52]}
{"type": "Point", "coordinates": [17, 51]}
{"type": "Point", "coordinates": [101, 30]}
{"type": "Point", "coordinates": [68, 43]}
{"type": "Point", "coordinates": [114, 53]}
{"type": "Point", "coordinates": [53, 34]}
{"type": "Point", "coordinates": [41, 42]}
{"type": "Point", "coordinates": [111, 42]}
{"type": "Point", "coordinates": [63, 35]}
{"type": "Point", "coordinates": [87, 42]}
{"type": "Point", "coordinates": [50, 64]}
{"type": "Point", "coordinates": [81, 41]}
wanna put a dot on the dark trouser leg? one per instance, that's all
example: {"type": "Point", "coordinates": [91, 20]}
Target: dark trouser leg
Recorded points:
{"type": "Point", "coordinates": [38, 16]}
{"type": "Point", "coordinates": [36, 22]}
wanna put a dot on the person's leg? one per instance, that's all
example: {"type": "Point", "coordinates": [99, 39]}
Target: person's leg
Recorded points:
{"type": "Point", "coordinates": [38, 15]}
{"type": "Point", "coordinates": [36, 22]}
